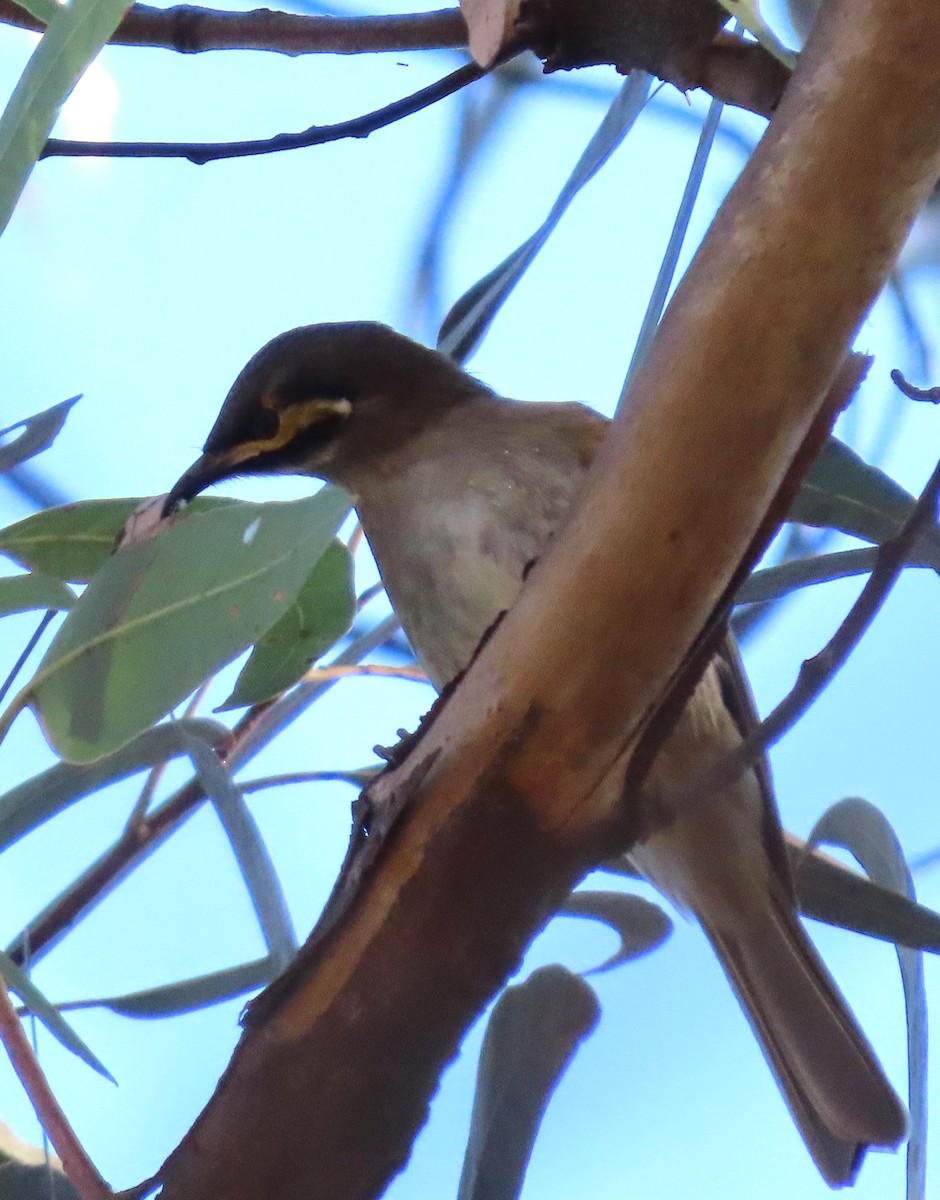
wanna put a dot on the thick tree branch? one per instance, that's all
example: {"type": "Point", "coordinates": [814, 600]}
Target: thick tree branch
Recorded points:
{"type": "Point", "coordinates": [190, 29]}
{"type": "Point", "coordinates": [506, 799]}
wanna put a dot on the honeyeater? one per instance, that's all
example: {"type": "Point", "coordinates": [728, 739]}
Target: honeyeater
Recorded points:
{"type": "Point", "coordinates": [458, 490]}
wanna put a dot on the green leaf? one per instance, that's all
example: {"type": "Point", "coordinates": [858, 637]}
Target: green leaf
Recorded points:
{"type": "Point", "coordinates": [39, 432]}
{"type": "Point", "coordinates": [21, 593]}
{"type": "Point", "coordinates": [72, 39]}
{"type": "Point", "coordinates": [465, 325]}
{"type": "Point", "coordinates": [531, 1037]}
{"type": "Point", "coordinates": [34, 801]}
{"type": "Point", "coordinates": [863, 830]}
{"type": "Point", "coordinates": [640, 925]}
{"type": "Point", "coordinates": [842, 491]}
{"type": "Point", "coordinates": [18, 981]}
{"type": "Point", "coordinates": [162, 616]}
{"type": "Point", "coordinates": [321, 613]}
{"type": "Point", "coordinates": [74, 541]}
{"type": "Point", "coordinates": [188, 995]}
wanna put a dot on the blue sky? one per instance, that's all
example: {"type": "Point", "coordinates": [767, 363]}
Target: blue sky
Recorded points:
{"type": "Point", "coordinates": [146, 286]}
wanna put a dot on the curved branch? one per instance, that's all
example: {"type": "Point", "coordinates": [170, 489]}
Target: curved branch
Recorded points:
{"type": "Point", "coordinates": [189, 29]}
{"type": "Point", "coordinates": [201, 153]}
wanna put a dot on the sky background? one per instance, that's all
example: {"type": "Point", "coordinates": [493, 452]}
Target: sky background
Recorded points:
{"type": "Point", "coordinates": [146, 286]}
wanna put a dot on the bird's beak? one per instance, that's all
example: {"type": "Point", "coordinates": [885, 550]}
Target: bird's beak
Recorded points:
{"type": "Point", "coordinates": [206, 470]}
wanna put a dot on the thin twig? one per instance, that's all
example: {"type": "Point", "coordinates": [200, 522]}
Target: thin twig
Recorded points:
{"type": "Point", "coordinates": [817, 672]}
{"type": "Point", "coordinates": [77, 1165]}
{"type": "Point", "coordinates": [189, 29]}
{"type": "Point", "coordinates": [357, 779]}
{"type": "Point", "coordinates": [332, 673]}
{"type": "Point", "coordinates": [930, 395]}
{"type": "Point", "coordinates": [201, 153]}
{"type": "Point", "coordinates": [27, 651]}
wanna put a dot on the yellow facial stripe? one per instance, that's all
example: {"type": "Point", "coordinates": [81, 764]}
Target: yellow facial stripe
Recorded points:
{"type": "Point", "coordinates": [291, 422]}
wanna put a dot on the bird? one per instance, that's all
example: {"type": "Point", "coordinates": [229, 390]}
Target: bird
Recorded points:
{"type": "Point", "coordinates": [459, 490]}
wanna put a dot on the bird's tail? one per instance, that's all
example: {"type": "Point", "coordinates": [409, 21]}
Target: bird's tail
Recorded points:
{"type": "Point", "coordinates": [831, 1080]}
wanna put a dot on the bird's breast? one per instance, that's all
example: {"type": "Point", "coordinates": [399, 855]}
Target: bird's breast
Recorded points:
{"type": "Point", "coordinates": [450, 567]}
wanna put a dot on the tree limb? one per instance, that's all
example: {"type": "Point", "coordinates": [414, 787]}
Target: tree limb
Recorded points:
{"type": "Point", "coordinates": [190, 29]}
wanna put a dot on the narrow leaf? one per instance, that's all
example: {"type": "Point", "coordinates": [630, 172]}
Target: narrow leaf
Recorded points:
{"type": "Point", "coordinates": [465, 325]}
{"type": "Point", "coordinates": [321, 613]}
{"type": "Point", "coordinates": [72, 39]}
{"type": "Point", "coordinates": [39, 431]}
{"type": "Point", "coordinates": [771, 583]}
{"type": "Point", "coordinates": [829, 891]}
{"type": "Point", "coordinates": [532, 1035]}
{"type": "Point", "coordinates": [31, 803]}
{"type": "Point", "coordinates": [74, 541]}
{"type": "Point", "coordinates": [188, 995]}
{"type": "Point", "coordinates": [20, 983]}
{"type": "Point", "coordinates": [254, 862]}
{"type": "Point", "coordinates": [21, 593]}
{"type": "Point", "coordinates": [842, 491]}
{"type": "Point", "coordinates": [863, 830]}
{"type": "Point", "coordinates": [640, 925]}
{"type": "Point", "coordinates": [162, 616]}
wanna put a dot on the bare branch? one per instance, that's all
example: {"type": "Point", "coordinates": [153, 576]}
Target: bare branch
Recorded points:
{"type": "Point", "coordinates": [190, 29]}
{"type": "Point", "coordinates": [204, 152]}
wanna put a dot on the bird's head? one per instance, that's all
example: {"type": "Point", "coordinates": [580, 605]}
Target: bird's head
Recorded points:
{"type": "Point", "coordinates": [326, 400]}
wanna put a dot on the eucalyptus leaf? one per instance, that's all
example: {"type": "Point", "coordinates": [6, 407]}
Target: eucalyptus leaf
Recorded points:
{"type": "Point", "coordinates": [531, 1037]}
{"type": "Point", "coordinates": [39, 432]}
{"type": "Point", "coordinates": [862, 829]}
{"type": "Point", "coordinates": [842, 491]}
{"type": "Point", "coordinates": [74, 541]}
{"type": "Point", "coordinates": [640, 924]}
{"type": "Point", "coordinates": [162, 616]}
{"type": "Point", "coordinates": [465, 325]}
{"type": "Point", "coordinates": [34, 801]}
{"type": "Point", "coordinates": [254, 861]}
{"type": "Point", "coordinates": [20, 983]}
{"type": "Point", "coordinates": [771, 583]}
{"type": "Point", "coordinates": [72, 39]}
{"type": "Point", "coordinates": [187, 995]}
{"type": "Point", "coordinates": [831, 892]}
{"type": "Point", "coordinates": [22, 593]}
{"type": "Point", "coordinates": [321, 613]}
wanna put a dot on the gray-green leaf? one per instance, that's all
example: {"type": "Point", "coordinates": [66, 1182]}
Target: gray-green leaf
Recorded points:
{"type": "Point", "coordinates": [640, 924]}
{"type": "Point", "coordinates": [531, 1037]}
{"type": "Point", "coordinates": [39, 432]}
{"type": "Point", "coordinates": [842, 491]}
{"type": "Point", "coordinates": [74, 541]}
{"type": "Point", "coordinates": [162, 616]}
{"type": "Point", "coordinates": [463, 328]}
{"type": "Point", "coordinates": [321, 613]}
{"type": "Point", "coordinates": [18, 981]}
{"type": "Point", "coordinates": [22, 593]}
